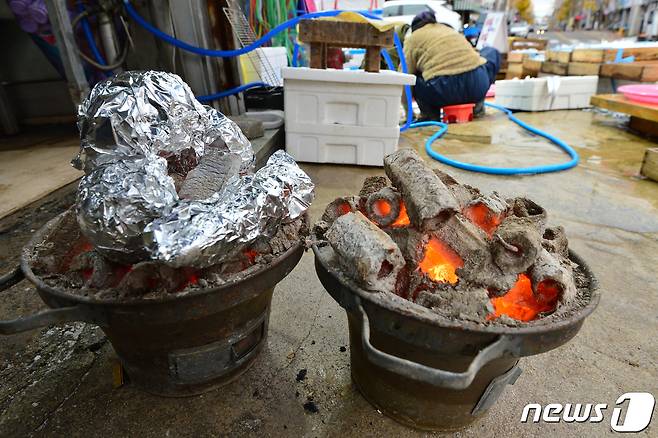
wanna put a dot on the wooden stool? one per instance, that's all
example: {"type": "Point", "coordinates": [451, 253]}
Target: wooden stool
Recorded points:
{"type": "Point", "coordinates": [321, 34]}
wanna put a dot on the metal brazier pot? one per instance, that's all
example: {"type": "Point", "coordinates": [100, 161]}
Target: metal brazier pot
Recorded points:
{"type": "Point", "coordinates": [429, 372]}
{"type": "Point", "coordinates": [178, 345]}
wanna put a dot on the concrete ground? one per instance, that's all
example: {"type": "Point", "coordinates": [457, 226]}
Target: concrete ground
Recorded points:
{"type": "Point", "coordinates": [58, 382]}
{"type": "Point", "coordinates": [34, 164]}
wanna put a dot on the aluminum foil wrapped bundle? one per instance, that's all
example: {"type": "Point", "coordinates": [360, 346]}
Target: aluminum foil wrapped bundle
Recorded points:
{"type": "Point", "coordinates": [136, 114]}
{"type": "Point", "coordinates": [203, 233]}
{"type": "Point", "coordinates": [116, 201]}
{"type": "Point", "coordinates": [142, 133]}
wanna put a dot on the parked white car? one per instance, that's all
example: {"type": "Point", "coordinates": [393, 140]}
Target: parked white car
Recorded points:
{"type": "Point", "coordinates": [406, 10]}
{"type": "Point", "coordinates": [520, 29]}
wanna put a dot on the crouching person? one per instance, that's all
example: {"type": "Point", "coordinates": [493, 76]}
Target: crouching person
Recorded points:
{"type": "Point", "coordinates": [449, 70]}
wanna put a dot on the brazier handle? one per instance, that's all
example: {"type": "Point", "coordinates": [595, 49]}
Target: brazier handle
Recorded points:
{"type": "Point", "coordinates": [40, 319]}
{"type": "Point", "coordinates": [424, 373]}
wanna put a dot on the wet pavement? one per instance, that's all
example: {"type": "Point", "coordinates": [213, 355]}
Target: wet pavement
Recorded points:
{"type": "Point", "coordinates": [58, 382]}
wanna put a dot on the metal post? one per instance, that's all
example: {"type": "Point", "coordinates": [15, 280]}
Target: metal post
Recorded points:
{"type": "Point", "coordinates": [190, 20]}
{"type": "Point", "coordinates": [108, 38]}
{"type": "Point", "coordinates": [64, 38]}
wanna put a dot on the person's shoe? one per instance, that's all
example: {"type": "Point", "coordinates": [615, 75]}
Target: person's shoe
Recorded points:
{"type": "Point", "coordinates": [428, 118]}
{"type": "Point", "coordinates": [478, 110]}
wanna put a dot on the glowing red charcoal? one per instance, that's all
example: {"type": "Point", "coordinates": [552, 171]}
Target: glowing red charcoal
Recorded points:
{"type": "Point", "coordinates": [483, 217]}
{"type": "Point", "coordinates": [191, 278]}
{"type": "Point", "coordinates": [344, 208]}
{"type": "Point", "coordinates": [382, 207]}
{"type": "Point", "coordinates": [402, 219]}
{"type": "Point", "coordinates": [521, 304]}
{"type": "Point", "coordinates": [440, 262]}
{"type": "Point", "coordinates": [78, 248]}
{"type": "Point", "coordinates": [548, 292]}
{"type": "Point", "coordinates": [251, 255]}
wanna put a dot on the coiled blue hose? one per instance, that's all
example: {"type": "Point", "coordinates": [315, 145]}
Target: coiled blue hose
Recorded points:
{"type": "Point", "coordinates": [531, 170]}
{"type": "Point", "coordinates": [407, 125]}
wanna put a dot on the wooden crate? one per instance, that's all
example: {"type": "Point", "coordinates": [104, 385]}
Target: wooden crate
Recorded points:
{"type": "Point", "coordinates": [583, 69]}
{"type": "Point", "coordinates": [556, 68]}
{"type": "Point", "coordinates": [640, 54]}
{"type": "Point", "coordinates": [516, 56]}
{"type": "Point", "coordinates": [558, 56]}
{"type": "Point", "coordinates": [514, 70]}
{"type": "Point", "coordinates": [644, 117]}
{"type": "Point", "coordinates": [588, 55]}
{"type": "Point", "coordinates": [609, 55]}
{"type": "Point", "coordinates": [322, 34]}
{"type": "Point", "coordinates": [618, 103]}
{"type": "Point", "coordinates": [650, 164]}
{"type": "Point", "coordinates": [531, 67]}
{"type": "Point", "coordinates": [643, 71]}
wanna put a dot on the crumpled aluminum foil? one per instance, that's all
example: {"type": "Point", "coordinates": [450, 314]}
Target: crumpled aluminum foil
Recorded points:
{"type": "Point", "coordinates": [127, 203]}
{"type": "Point", "coordinates": [139, 113]}
{"type": "Point", "coordinates": [116, 201]}
{"type": "Point", "coordinates": [204, 233]}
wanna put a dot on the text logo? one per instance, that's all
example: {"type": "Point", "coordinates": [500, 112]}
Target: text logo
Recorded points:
{"type": "Point", "coordinates": [636, 407]}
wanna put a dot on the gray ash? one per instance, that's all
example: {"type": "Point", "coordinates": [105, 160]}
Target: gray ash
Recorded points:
{"type": "Point", "coordinates": [67, 261]}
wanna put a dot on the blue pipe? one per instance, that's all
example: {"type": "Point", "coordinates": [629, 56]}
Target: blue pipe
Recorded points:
{"type": "Point", "coordinates": [407, 88]}
{"type": "Point", "coordinates": [295, 54]}
{"type": "Point", "coordinates": [230, 92]}
{"type": "Point", "coordinates": [227, 53]}
{"type": "Point", "coordinates": [91, 41]}
{"type": "Point", "coordinates": [408, 124]}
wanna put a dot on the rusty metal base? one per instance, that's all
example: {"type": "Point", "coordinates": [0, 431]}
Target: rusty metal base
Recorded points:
{"type": "Point", "coordinates": [191, 357]}
{"type": "Point", "coordinates": [420, 405]}
{"type": "Point", "coordinates": [175, 345]}
{"type": "Point", "coordinates": [427, 371]}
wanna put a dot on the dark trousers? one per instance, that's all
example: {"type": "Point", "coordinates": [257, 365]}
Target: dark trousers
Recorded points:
{"type": "Point", "coordinates": [468, 87]}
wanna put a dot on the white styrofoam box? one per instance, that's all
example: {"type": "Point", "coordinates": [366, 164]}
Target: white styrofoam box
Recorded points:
{"type": "Point", "coordinates": [277, 58]}
{"type": "Point", "coordinates": [546, 93]}
{"type": "Point", "coordinates": [342, 116]}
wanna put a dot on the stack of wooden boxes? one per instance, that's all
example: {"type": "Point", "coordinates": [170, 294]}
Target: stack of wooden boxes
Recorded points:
{"type": "Point", "coordinates": [522, 63]}
{"type": "Point", "coordinates": [604, 62]}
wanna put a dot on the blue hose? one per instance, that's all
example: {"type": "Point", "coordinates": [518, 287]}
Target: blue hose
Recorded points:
{"type": "Point", "coordinates": [407, 88]}
{"type": "Point", "coordinates": [230, 92]}
{"type": "Point", "coordinates": [228, 53]}
{"type": "Point", "coordinates": [91, 40]}
{"type": "Point", "coordinates": [443, 127]}
{"type": "Point", "coordinates": [408, 124]}
{"type": "Point", "coordinates": [295, 54]}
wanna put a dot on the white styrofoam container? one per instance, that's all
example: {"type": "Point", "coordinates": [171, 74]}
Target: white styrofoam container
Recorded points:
{"type": "Point", "coordinates": [546, 93]}
{"type": "Point", "coordinates": [342, 116]}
